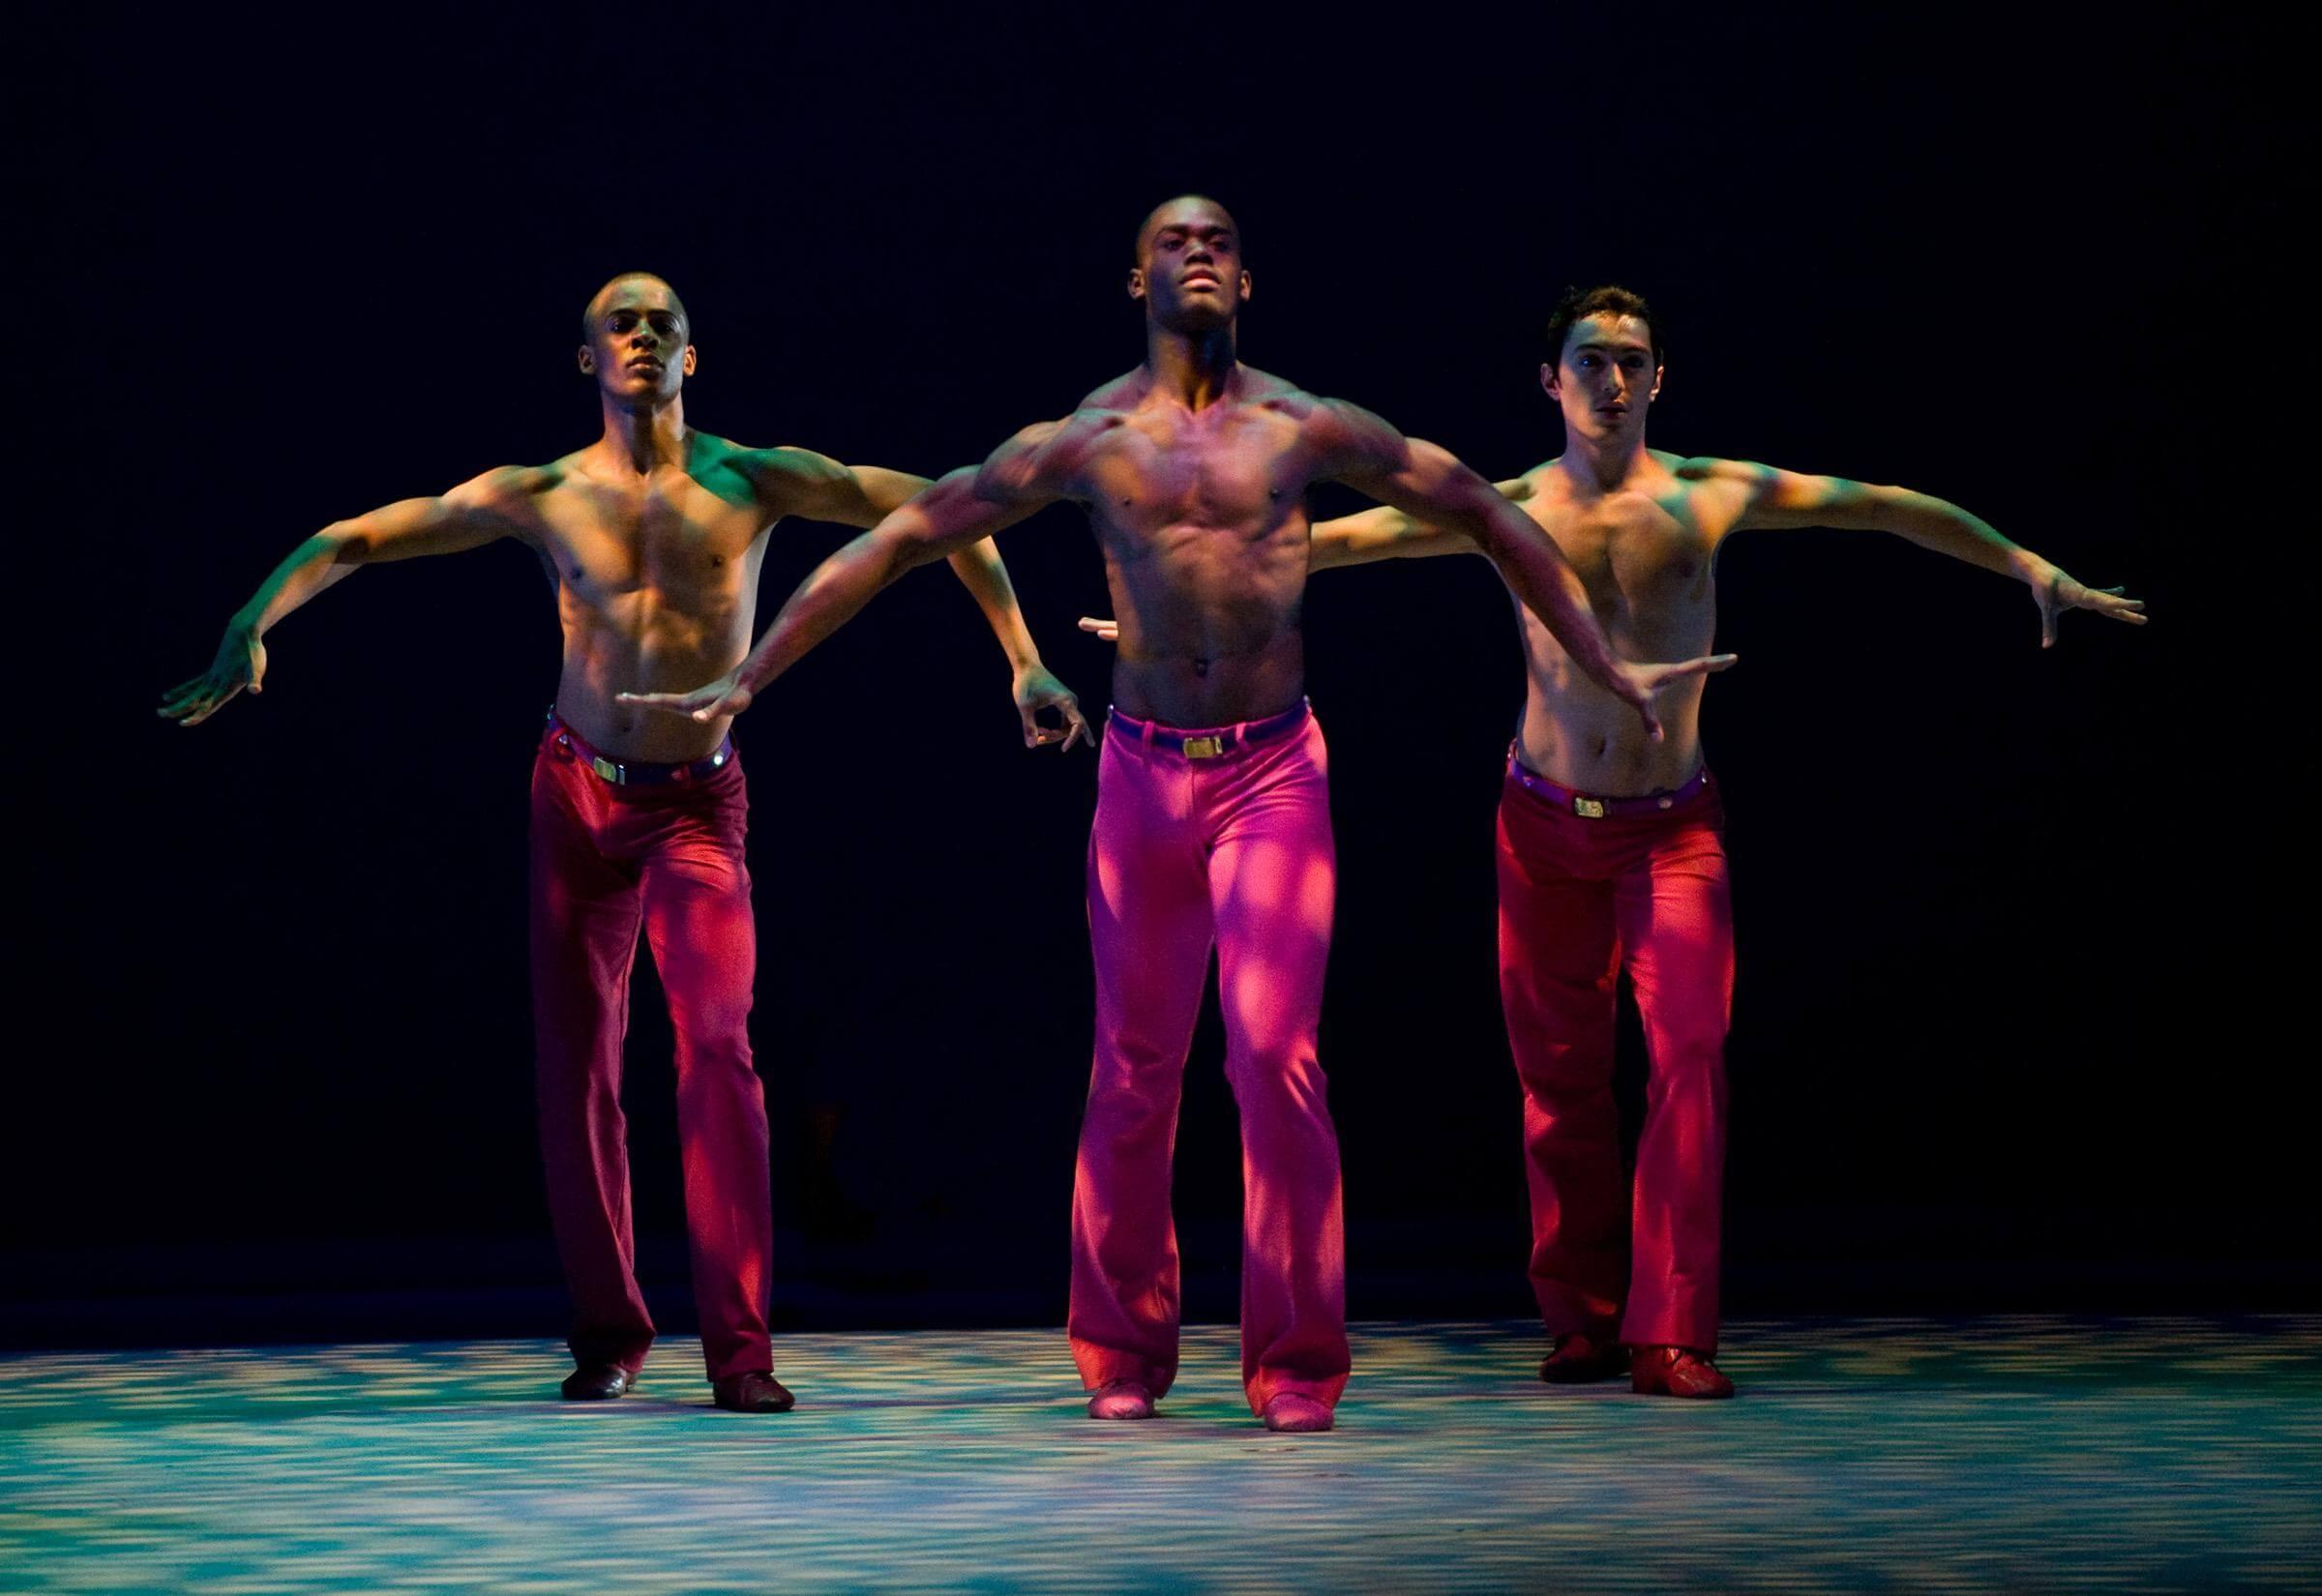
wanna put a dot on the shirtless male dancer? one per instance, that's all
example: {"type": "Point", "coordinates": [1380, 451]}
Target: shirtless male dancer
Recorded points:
{"type": "Point", "coordinates": [652, 537]}
{"type": "Point", "coordinates": [1212, 817]}
{"type": "Point", "coordinates": [1610, 847]}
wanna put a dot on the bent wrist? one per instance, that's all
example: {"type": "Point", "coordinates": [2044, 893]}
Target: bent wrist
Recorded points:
{"type": "Point", "coordinates": [2030, 568]}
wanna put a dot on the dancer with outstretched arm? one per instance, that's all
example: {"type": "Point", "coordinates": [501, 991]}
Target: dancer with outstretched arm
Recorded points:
{"type": "Point", "coordinates": [652, 537]}
{"type": "Point", "coordinates": [1212, 821]}
{"type": "Point", "coordinates": [1611, 849]}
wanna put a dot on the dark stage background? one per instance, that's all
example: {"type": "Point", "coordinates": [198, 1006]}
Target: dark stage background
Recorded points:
{"type": "Point", "coordinates": [2001, 1035]}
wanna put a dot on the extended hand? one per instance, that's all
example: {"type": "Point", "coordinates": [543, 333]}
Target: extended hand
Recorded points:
{"type": "Point", "coordinates": [1641, 684]}
{"type": "Point", "coordinates": [241, 662]}
{"type": "Point", "coordinates": [2055, 593]}
{"type": "Point", "coordinates": [1035, 691]}
{"type": "Point", "coordinates": [724, 697]}
{"type": "Point", "coordinates": [1107, 630]}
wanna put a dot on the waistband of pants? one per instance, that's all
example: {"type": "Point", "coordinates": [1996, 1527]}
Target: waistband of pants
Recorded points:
{"type": "Point", "coordinates": [1592, 806]}
{"type": "Point", "coordinates": [1208, 742]}
{"type": "Point", "coordinates": [623, 773]}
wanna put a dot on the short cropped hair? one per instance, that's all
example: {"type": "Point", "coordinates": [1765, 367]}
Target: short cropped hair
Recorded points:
{"type": "Point", "coordinates": [588, 311]}
{"type": "Point", "coordinates": [1608, 299]}
{"type": "Point", "coordinates": [1136, 252]}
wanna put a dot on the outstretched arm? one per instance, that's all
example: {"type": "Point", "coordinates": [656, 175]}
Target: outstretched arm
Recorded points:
{"type": "Point", "coordinates": [470, 515]}
{"type": "Point", "coordinates": [1026, 473]}
{"type": "Point", "coordinates": [1790, 499]}
{"type": "Point", "coordinates": [1431, 487]}
{"type": "Point", "coordinates": [1388, 534]}
{"type": "Point", "coordinates": [820, 488]}
{"type": "Point", "coordinates": [799, 482]}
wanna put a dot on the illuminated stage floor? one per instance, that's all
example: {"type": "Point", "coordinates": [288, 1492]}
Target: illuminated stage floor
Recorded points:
{"type": "Point", "coordinates": [2017, 1453]}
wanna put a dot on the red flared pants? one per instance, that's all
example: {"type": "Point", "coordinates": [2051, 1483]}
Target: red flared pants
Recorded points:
{"type": "Point", "coordinates": [1581, 900]}
{"type": "Point", "coordinates": [607, 860]}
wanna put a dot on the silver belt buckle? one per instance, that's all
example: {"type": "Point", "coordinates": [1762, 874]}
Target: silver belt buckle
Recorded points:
{"type": "Point", "coordinates": [1204, 748]}
{"type": "Point", "coordinates": [1588, 809]}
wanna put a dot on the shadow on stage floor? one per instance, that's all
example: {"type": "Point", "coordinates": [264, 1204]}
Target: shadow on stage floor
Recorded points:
{"type": "Point", "coordinates": [2027, 1453]}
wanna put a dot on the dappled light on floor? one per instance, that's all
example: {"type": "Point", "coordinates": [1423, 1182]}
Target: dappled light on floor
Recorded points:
{"type": "Point", "coordinates": [2048, 1453]}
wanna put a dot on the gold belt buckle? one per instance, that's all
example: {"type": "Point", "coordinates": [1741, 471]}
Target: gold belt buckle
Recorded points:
{"type": "Point", "coordinates": [1204, 748]}
{"type": "Point", "coordinates": [1588, 809]}
{"type": "Point", "coordinates": [605, 768]}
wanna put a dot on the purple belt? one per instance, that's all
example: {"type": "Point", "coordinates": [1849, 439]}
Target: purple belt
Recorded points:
{"type": "Point", "coordinates": [628, 773]}
{"type": "Point", "coordinates": [1212, 743]}
{"type": "Point", "coordinates": [1589, 807]}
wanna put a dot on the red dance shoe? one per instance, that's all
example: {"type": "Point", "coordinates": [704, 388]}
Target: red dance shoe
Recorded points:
{"type": "Point", "coordinates": [1676, 1371]}
{"type": "Point", "coordinates": [1293, 1413]}
{"type": "Point", "coordinates": [1122, 1399]}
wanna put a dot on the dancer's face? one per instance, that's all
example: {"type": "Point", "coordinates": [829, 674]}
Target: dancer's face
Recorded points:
{"type": "Point", "coordinates": [1189, 270]}
{"type": "Point", "coordinates": [1606, 377]}
{"type": "Point", "coordinates": [639, 347]}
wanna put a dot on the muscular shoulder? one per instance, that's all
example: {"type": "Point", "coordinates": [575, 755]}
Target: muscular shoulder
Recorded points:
{"type": "Point", "coordinates": [1045, 457]}
{"type": "Point", "coordinates": [1275, 393]}
{"type": "Point", "coordinates": [1529, 488]}
{"type": "Point", "coordinates": [1342, 429]}
{"type": "Point", "coordinates": [782, 468]}
{"type": "Point", "coordinates": [1727, 489]}
{"type": "Point", "coordinates": [1746, 475]}
{"type": "Point", "coordinates": [509, 491]}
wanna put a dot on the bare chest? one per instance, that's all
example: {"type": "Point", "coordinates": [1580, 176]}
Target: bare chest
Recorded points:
{"type": "Point", "coordinates": [1642, 561]}
{"type": "Point", "coordinates": [670, 535]}
{"type": "Point", "coordinates": [1214, 481]}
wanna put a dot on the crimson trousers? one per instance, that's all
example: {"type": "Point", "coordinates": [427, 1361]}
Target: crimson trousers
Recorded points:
{"type": "Point", "coordinates": [1581, 900]}
{"type": "Point", "coordinates": [607, 860]}
{"type": "Point", "coordinates": [1234, 851]}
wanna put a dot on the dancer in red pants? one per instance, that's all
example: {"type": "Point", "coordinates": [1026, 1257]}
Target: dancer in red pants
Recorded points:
{"type": "Point", "coordinates": [653, 537]}
{"type": "Point", "coordinates": [1212, 821]}
{"type": "Point", "coordinates": [1611, 855]}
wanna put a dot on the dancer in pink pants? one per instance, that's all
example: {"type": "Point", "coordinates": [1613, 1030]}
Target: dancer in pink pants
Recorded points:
{"type": "Point", "coordinates": [1612, 856]}
{"type": "Point", "coordinates": [1228, 845]}
{"type": "Point", "coordinates": [1212, 823]}
{"type": "Point", "coordinates": [652, 537]}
